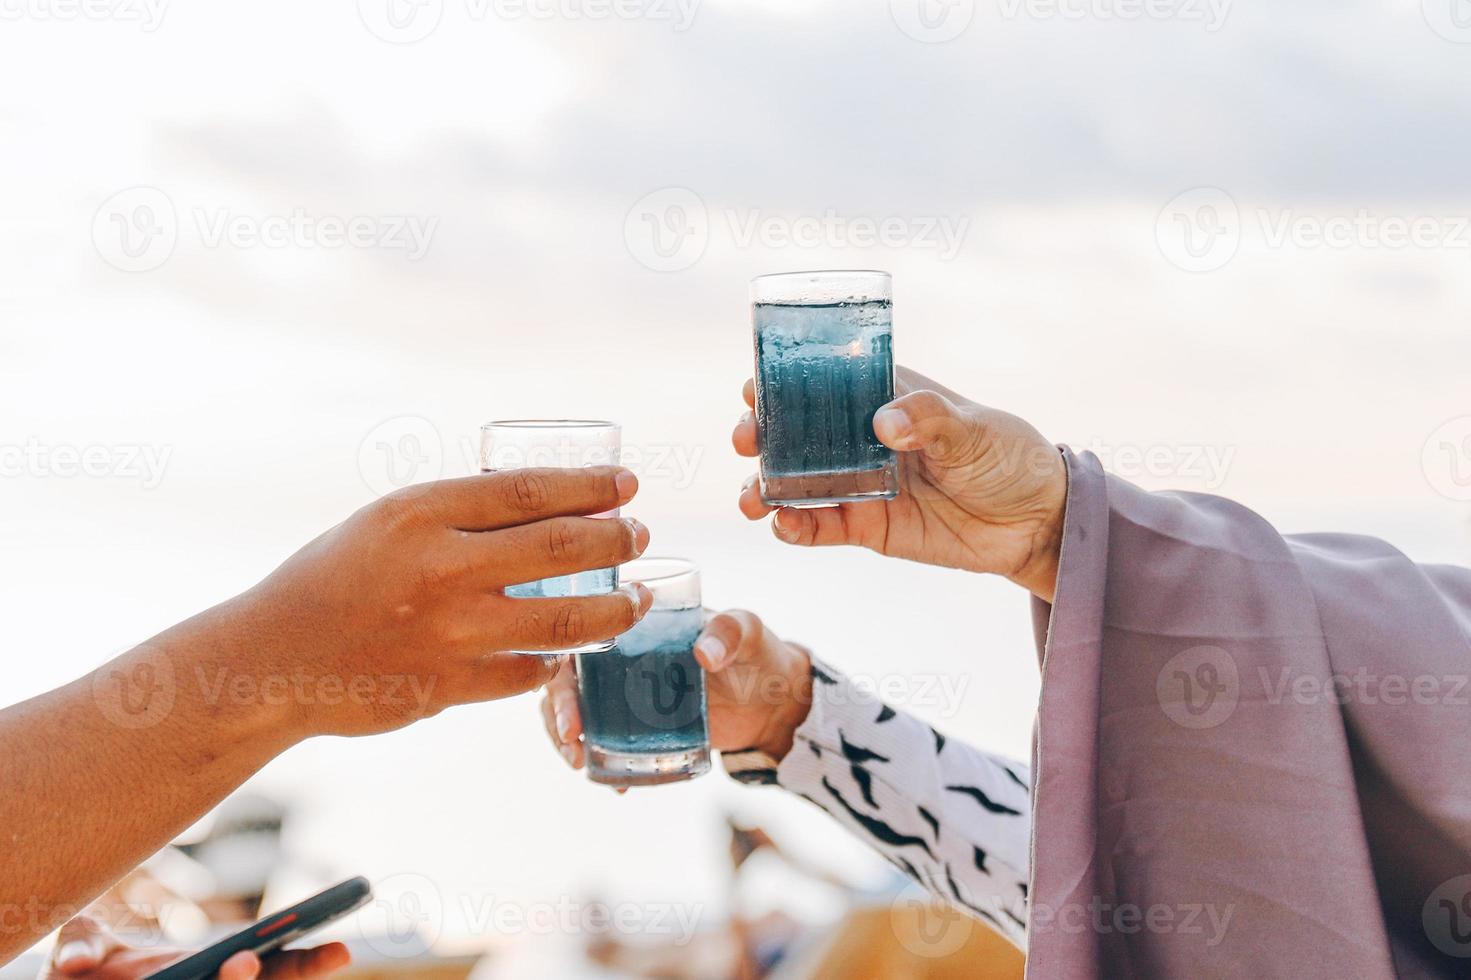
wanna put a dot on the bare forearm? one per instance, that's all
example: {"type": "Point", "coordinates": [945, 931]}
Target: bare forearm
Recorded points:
{"type": "Point", "coordinates": [391, 616]}
{"type": "Point", "coordinates": [101, 773]}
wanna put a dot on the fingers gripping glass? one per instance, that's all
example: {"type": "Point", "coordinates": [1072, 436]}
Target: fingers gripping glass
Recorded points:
{"type": "Point", "coordinates": [559, 444]}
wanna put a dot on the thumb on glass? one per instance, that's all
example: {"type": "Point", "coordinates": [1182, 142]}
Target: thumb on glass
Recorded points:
{"type": "Point", "coordinates": [928, 422]}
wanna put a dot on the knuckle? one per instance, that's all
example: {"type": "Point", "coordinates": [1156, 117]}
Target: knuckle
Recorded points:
{"type": "Point", "coordinates": [449, 633]}
{"type": "Point", "coordinates": [530, 625]}
{"type": "Point", "coordinates": [568, 625]}
{"type": "Point", "coordinates": [743, 617]}
{"type": "Point", "coordinates": [540, 671]}
{"type": "Point", "coordinates": [401, 508]}
{"type": "Point", "coordinates": [930, 400]}
{"type": "Point", "coordinates": [949, 437]}
{"type": "Point", "coordinates": [526, 491]}
{"type": "Point", "coordinates": [436, 575]}
{"type": "Point", "coordinates": [754, 631]}
{"type": "Point", "coordinates": [967, 435]}
{"type": "Point", "coordinates": [521, 673]}
{"type": "Point", "coordinates": [533, 672]}
{"type": "Point", "coordinates": [561, 541]}
{"type": "Point", "coordinates": [737, 623]}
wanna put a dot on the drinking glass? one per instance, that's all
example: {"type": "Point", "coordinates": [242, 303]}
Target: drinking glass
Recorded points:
{"type": "Point", "coordinates": [643, 704]}
{"type": "Point", "coordinates": [824, 366]}
{"type": "Point", "coordinates": [559, 444]}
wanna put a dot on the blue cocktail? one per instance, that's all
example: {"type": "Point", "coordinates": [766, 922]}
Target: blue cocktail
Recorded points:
{"type": "Point", "coordinates": [643, 703]}
{"type": "Point", "coordinates": [824, 366]}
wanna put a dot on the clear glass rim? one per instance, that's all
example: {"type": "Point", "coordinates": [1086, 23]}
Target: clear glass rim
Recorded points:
{"type": "Point", "coordinates": [829, 275]}
{"type": "Point", "coordinates": [677, 568]}
{"type": "Point", "coordinates": [548, 424]}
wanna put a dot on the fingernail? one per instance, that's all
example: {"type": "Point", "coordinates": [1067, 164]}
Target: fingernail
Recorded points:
{"type": "Point", "coordinates": [896, 420]}
{"type": "Point", "coordinates": [714, 651]}
{"type": "Point", "coordinates": [77, 949]}
{"type": "Point", "coordinates": [569, 755]}
{"type": "Point", "coordinates": [564, 727]}
{"type": "Point", "coordinates": [640, 534]}
{"type": "Point", "coordinates": [627, 485]}
{"type": "Point", "coordinates": [782, 524]}
{"type": "Point", "coordinates": [639, 595]}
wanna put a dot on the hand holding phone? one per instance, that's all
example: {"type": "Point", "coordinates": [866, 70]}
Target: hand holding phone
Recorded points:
{"type": "Point", "coordinates": [86, 949]}
{"type": "Point", "coordinates": [272, 932]}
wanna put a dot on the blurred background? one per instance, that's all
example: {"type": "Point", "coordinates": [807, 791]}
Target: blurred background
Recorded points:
{"type": "Point", "coordinates": [262, 263]}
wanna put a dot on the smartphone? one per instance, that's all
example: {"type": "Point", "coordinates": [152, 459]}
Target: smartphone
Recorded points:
{"type": "Point", "coordinates": [272, 932]}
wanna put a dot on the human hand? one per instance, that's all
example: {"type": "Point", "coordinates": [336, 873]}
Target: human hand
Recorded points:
{"type": "Point", "coordinates": [399, 612]}
{"type": "Point", "coordinates": [88, 950]}
{"type": "Point", "coordinates": [980, 490]}
{"type": "Point", "coordinates": [759, 690]}
{"type": "Point", "coordinates": [393, 615]}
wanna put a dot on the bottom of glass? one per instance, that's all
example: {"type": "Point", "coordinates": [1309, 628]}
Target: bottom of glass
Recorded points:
{"type": "Point", "coordinates": [641, 769]}
{"type": "Point", "coordinates": [826, 489]}
{"type": "Point", "coordinates": [601, 647]}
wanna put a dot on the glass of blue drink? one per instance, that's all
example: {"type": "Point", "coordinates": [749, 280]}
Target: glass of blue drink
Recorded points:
{"type": "Point", "coordinates": [824, 366]}
{"type": "Point", "coordinates": [559, 444]}
{"type": "Point", "coordinates": [643, 703]}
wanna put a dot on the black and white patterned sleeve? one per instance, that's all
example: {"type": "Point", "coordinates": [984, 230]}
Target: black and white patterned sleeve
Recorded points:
{"type": "Point", "coordinates": [953, 818]}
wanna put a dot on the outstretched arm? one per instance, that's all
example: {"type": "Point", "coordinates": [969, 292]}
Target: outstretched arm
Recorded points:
{"type": "Point", "coordinates": [953, 818]}
{"type": "Point", "coordinates": [389, 617]}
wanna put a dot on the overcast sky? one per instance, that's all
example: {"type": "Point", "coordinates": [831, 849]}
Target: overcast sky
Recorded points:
{"type": "Point", "coordinates": [1229, 238]}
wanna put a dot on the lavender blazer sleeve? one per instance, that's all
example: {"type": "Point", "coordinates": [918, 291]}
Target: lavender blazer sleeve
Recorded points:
{"type": "Point", "coordinates": [1253, 752]}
